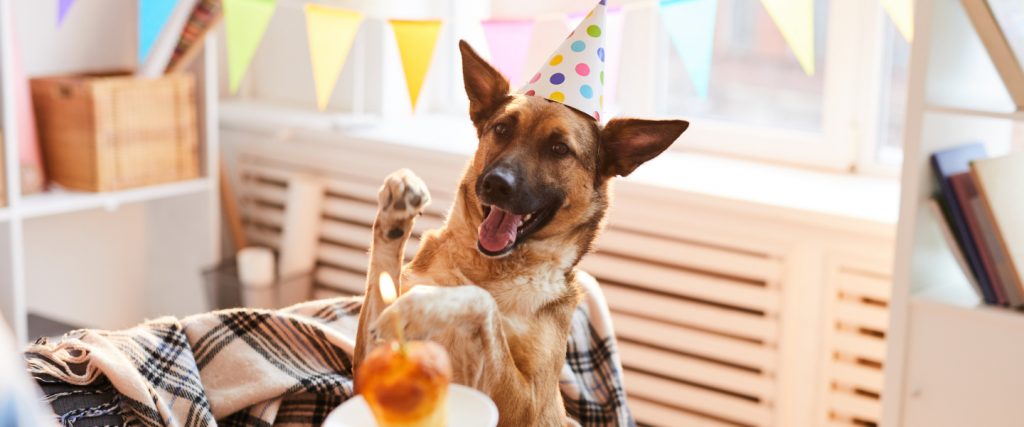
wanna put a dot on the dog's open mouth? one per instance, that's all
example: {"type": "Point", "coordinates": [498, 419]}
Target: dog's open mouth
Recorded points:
{"type": "Point", "coordinates": [501, 230]}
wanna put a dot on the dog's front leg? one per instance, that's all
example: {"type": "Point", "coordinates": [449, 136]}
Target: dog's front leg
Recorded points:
{"type": "Point", "coordinates": [402, 197]}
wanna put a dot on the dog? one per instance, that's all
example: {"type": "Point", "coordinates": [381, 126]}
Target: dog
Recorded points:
{"type": "Point", "coordinates": [497, 284]}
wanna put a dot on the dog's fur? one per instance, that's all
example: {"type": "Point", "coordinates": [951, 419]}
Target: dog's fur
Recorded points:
{"type": "Point", "coordinates": [505, 319]}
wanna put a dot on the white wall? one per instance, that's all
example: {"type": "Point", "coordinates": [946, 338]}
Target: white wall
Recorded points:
{"type": "Point", "coordinates": [97, 35]}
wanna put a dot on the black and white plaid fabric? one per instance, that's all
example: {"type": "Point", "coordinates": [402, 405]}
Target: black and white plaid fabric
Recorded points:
{"type": "Point", "coordinates": [248, 367]}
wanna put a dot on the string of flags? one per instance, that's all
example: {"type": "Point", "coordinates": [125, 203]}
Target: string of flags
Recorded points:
{"type": "Point", "coordinates": [332, 30]}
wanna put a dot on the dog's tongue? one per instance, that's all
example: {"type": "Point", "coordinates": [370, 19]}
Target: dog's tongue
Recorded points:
{"type": "Point", "coordinates": [498, 231]}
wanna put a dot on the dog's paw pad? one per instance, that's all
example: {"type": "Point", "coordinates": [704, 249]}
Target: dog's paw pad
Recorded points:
{"type": "Point", "coordinates": [402, 197]}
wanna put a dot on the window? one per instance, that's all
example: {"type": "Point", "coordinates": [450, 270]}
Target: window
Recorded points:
{"type": "Point", "coordinates": [893, 100]}
{"type": "Point", "coordinates": [755, 79]}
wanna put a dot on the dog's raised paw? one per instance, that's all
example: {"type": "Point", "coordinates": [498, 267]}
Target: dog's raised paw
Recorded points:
{"type": "Point", "coordinates": [402, 197]}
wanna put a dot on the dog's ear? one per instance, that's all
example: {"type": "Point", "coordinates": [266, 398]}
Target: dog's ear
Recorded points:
{"type": "Point", "coordinates": [485, 86]}
{"type": "Point", "coordinates": [628, 143]}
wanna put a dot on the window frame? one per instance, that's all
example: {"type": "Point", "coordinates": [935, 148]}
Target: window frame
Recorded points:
{"type": "Point", "coordinates": [852, 90]}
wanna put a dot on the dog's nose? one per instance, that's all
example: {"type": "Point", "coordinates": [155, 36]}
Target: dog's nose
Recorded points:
{"type": "Point", "coordinates": [499, 183]}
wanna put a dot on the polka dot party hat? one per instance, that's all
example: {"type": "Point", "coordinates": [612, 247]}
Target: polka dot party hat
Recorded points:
{"type": "Point", "coordinates": [574, 74]}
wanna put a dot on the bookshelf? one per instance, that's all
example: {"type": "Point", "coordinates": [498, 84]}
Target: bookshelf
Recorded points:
{"type": "Point", "coordinates": [109, 259]}
{"type": "Point", "coordinates": [950, 361]}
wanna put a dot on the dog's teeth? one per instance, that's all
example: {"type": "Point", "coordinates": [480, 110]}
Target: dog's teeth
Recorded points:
{"type": "Point", "coordinates": [528, 216]}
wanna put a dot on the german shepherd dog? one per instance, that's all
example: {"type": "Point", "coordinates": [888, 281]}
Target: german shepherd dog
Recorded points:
{"type": "Point", "coordinates": [497, 284]}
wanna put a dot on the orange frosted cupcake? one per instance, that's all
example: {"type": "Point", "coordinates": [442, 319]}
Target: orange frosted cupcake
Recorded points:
{"type": "Point", "coordinates": [406, 387]}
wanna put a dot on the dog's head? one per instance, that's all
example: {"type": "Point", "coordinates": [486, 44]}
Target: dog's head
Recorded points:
{"type": "Point", "coordinates": [541, 168]}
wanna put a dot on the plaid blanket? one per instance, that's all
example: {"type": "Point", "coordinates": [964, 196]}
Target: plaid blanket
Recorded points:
{"type": "Point", "coordinates": [249, 367]}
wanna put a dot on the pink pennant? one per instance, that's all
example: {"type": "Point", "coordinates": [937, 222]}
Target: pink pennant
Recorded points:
{"type": "Point", "coordinates": [62, 10]}
{"type": "Point", "coordinates": [509, 43]}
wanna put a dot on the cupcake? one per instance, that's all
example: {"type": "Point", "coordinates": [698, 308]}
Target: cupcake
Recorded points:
{"type": "Point", "coordinates": [406, 385]}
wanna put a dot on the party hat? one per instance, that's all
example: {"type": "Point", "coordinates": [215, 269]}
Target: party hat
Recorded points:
{"type": "Point", "coordinates": [574, 74]}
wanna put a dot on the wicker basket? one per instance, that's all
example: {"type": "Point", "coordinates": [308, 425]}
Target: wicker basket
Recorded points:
{"type": "Point", "coordinates": [112, 131]}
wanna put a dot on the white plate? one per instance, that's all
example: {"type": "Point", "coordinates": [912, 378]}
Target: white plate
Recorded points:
{"type": "Point", "coordinates": [466, 408]}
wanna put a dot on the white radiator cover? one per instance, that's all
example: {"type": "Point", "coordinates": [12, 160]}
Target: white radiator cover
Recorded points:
{"type": "Point", "coordinates": [727, 312]}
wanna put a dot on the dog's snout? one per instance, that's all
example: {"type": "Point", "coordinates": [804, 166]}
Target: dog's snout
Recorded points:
{"type": "Point", "coordinates": [499, 183]}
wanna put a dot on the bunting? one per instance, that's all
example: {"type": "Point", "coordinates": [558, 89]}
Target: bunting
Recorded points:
{"type": "Point", "coordinates": [795, 20]}
{"type": "Point", "coordinates": [331, 32]}
{"type": "Point", "coordinates": [62, 10]}
{"type": "Point", "coordinates": [509, 43]}
{"type": "Point", "coordinates": [153, 15]}
{"type": "Point", "coordinates": [416, 41]}
{"type": "Point", "coordinates": [245, 21]}
{"type": "Point", "coordinates": [691, 26]}
{"type": "Point", "coordinates": [902, 14]}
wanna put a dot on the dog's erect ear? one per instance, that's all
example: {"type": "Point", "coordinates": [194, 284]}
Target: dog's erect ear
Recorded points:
{"type": "Point", "coordinates": [485, 86]}
{"type": "Point", "coordinates": [628, 143]}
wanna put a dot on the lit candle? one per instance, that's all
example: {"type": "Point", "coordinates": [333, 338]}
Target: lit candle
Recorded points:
{"type": "Point", "coordinates": [388, 293]}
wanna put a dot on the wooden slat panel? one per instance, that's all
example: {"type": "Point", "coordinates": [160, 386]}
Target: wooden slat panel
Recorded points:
{"type": "Point", "coordinates": [854, 375]}
{"type": "Point", "coordinates": [681, 282]}
{"type": "Point", "coordinates": [860, 314]}
{"type": "Point", "coordinates": [702, 316]}
{"type": "Point", "coordinates": [660, 415]}
{"type": "Point", "coordinates": [695, 370]}
{"type": "Point", "coordinates": [864, 286]}
{"type": "Point", "coordinates": [264, 237]}
{"type": "Point", "coordinates": [355, 211]}
{"type": "Point", "coordinates": [253, 190]}
{"type": "Point", "coordinates": [345, 233]}
{"type": "Point", "coordinates": [341, 256]}
{"type": "Point", "coordinates": [692, 341]}
{"type": "Point", "coordinates": [858, 345]}
{"type": "Point", "coordinates": [691, 255]}
{"type": "Point", "coordinates": [346, 282]}
{"type": "Point", "coordinates": [855, 405]}
{"type": "Point", "coordinates": [696, 399]}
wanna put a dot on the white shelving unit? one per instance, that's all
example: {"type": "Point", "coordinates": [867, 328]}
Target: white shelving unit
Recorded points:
{"type": "Point", "coordinates": [111, 259]}
{"type": "Point", "coordinates": [950, 360]}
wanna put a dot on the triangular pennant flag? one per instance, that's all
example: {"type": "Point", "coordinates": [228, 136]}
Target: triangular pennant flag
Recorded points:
{"type": "Point", "coordinates": [795, 20]}
{"type": "Point", "coordinates": [613, 53]}
{"type": "Point", "coordinates": [62, 10]}
{"type": "Point", "coordinates": [902, 14]}
{"type": "Point", "coordinates": [331, 32]}
{"type": "Point", "coordinates": [416, 41]}
{"type": "Point", "coordinates": [245, 21]}
{"type": "Point", "coordinates": [153, 15]}
{"type": "Point", "coordinates": [509, 42]}
{"type": "Point", "coordinates": [691, 25]}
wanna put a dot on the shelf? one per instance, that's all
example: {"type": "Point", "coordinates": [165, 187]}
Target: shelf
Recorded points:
{"type": "Point", "coordinates": [1011, 115]}
{"type": "Point", "coordinates": [62, 201]}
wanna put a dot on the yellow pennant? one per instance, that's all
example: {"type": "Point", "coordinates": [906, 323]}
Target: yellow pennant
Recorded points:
{"type": "Point", "coordinates": [416, 41]}
{"type": "Point", "coordinates": [795, 20]}
{"type": "Point", "coordinates": [902, 14]}
{"type": "Point", "coordinates": [331, 32]}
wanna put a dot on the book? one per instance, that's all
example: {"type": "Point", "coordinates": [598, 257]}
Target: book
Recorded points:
{"type": "Point", "coordinates": [939, 213]}
{"type": "Point", "coordinates": [983, 233]}
{"type": "Point", "coordinates": [160, 54]}
{"type": "Point", "coordinates": [946, 163]}
{"type": "Point", "coordinates": [1001, 186]}
{"type": "Point", "coordinates": [204, 18]}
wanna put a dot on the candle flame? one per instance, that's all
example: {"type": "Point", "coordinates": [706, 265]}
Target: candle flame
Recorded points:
{"type": "Point", "coordinates": [387, 288]}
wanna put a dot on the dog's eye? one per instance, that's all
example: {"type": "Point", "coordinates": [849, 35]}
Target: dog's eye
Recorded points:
{"type": "Point", "coordinates": [559, 149]}
{"type": "Point", "coordinates": [501, 129]}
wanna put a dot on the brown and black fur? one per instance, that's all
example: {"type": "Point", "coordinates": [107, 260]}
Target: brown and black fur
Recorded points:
{"type": "Point", "coordinates": [505, 319]}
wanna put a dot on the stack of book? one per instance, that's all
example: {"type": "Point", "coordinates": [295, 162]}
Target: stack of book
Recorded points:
{"type": "Point", "coordinates": [181, 38]}
{"type": "Point", "coordinates": [980, 207]}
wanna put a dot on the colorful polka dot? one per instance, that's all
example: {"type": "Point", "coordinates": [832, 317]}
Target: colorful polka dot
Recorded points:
{"type": "Point", "coordinates": [582, 69]}
{"type": "Point", "coordinates": [602, 77]}
{"type": "Point", "coordinates": [578, 46]}
{"type": "Point", "coordinates": [530, 92]}
{"type": "Point", "coordinates": [597, 115]}
{"type": "Point", "coordinates": [587, 91]}
{"type": "Point", "coordinates": [600, 53]}
{"type": "Point", "coordinates": [535, 78]}
{"type": "Point", "coordinates": [557, 96]}
{"type": "Point", "coordinates": [594, 31]}
{"type": "Point", "coordinates": [557, 78]}
{"type": "Point", "coordinates": [555, 60]}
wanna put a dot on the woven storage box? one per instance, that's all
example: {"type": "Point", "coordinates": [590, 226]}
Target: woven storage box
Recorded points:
{"type": "Point", "coordinates": [113, 131]}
